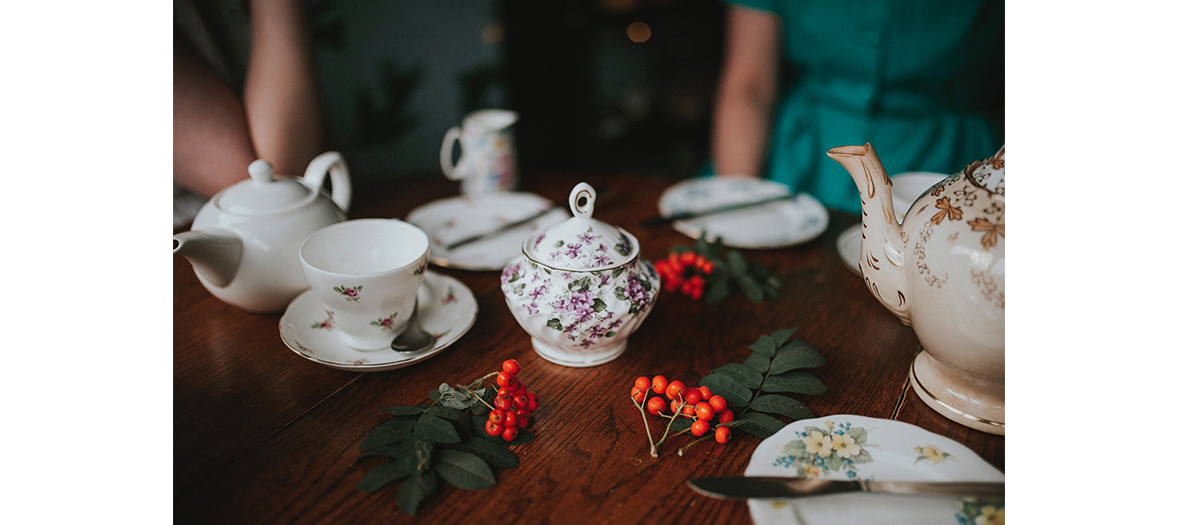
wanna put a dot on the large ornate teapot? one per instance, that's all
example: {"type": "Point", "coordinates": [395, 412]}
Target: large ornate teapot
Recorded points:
{"type": "Point", "coordinates": [942, 272]}
{"type": "Point", "coordinates": [580, 288]}
{"type": "Point", "coordinates": [244, 243]}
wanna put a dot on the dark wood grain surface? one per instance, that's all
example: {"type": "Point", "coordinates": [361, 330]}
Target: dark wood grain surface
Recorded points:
{"type": "Point", "coordinates": [262, 435]}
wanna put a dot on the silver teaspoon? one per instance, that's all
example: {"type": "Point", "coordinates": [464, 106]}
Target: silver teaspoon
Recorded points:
{"type": "Point", "coordinates": [414, 339]}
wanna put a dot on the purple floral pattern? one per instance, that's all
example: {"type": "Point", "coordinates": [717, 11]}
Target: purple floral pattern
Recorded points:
{"type": "Point", "coordinates": [586, 307]}
{"type": "Point", "coordinates": [585, 251]}
{"type": "Point", "coordinates": [350, 293]}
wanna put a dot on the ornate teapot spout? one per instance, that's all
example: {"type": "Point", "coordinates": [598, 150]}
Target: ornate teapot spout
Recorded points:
{"type": "Point", "coordinates": [215, 257]}
{"type": "Point", "coordinates": [882, 261]}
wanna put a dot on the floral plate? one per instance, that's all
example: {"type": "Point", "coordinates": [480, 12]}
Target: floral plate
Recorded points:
{"type": "Point", "coordinates": [857, 447]}
{"type": "Point", "coordinates": [446, 309]}
{"type": "Point", "coordinates": [452, 219]}
{"type": "Point", "coordinates": [773, 225]}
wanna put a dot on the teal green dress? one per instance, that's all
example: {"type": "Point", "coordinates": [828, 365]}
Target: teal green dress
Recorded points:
{"type": "Point", "coordinates": [923, 81]}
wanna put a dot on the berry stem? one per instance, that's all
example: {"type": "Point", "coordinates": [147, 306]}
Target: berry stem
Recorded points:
{"type": "Point", "coordinates": [680, 452]}
{"type": "Point", "coordinates": [647, 429]}
{"type": "Point", "coordinates": [669, 427]}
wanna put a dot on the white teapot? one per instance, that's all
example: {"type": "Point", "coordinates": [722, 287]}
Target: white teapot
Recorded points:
{"type": "Point", "coordinates": [244, 243]}
{"type": "Point", "coordinates": [942, 272]}
{"type": "Point", "coordinates": [580, 288]}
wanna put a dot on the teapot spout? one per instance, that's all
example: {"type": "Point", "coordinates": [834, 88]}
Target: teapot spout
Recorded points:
{"type": "Point", "coordinates": [214, 256]}
{"type": "Point", "coordinates": [882, 249]}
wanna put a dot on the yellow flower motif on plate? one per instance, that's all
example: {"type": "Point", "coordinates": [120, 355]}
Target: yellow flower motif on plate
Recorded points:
{"type": "Point", "coordinates": [844, 446]}
{"type": "Point", "coordinates": [818, 444]}
{"type": "Point", "coordinates": [990, 515]}
{"type": "Point", "coordinates": [931, 453]}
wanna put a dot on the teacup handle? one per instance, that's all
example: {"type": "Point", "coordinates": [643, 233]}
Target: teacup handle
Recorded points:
{"type": "Point", "coordinates": [582, 200]}
{"type": "Point", "coordinates": [332, 164]}
{"type": "Point", "coordinates": [448, 145]}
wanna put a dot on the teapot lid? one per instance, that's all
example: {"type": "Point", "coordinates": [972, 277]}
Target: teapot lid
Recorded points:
{"type": "Point", "coordinates": [262, 193]}
{"type": "Point", "coordinates": [581, 242]}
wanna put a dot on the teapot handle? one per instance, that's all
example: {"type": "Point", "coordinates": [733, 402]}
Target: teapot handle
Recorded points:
{"type": "Point", "coordinates": [331, 163]}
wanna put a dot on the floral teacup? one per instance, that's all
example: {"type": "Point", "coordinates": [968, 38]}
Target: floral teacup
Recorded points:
{"type": "Point", "coordinates": [580, 288]}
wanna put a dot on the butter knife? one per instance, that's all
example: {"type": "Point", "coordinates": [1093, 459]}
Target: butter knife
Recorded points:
{"type": "Point", "coordinates": [657, 221]}
{"type": "Point", "coordinates": [743, 487]}
{"type": "Point", "coordinates": [484, 235]}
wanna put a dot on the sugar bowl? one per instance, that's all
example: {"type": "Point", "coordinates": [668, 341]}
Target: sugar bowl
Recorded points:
{"type": "Point", "coordinates": [580, 288]}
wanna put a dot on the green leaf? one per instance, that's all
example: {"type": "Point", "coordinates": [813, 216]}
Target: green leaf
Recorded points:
{"type": "Point", "coordinates": [737, 263]}
{"type": "Point", "coordinates": [555, 324]}
{"type": "Point", "coordinates": [493, 453]}
{"type": "Point", "coordinates": [727, 388]}
{"type": "Point", "coordinates": [387, 433]}
{"type": "Point", "coordinates": [758, 362]}
{"type": "Point", "coordinates": [795, 381]}
{"type": "Point", "coordinates": [383, 475]}
{"type": "Point", "coordinates": [401, 449]}
{"type": "Point", "coordinates": [783, 405]}
{"type": "Point", "coordinates": [764, 346]}
{"type": "Point", "coordinates": [581, 285]}
{"type": "Point", "coordinates": [453, 414]}
{"type": "Point", "coordinates": [599, 305]}
{"type": "Point", "coordinates": [795, 447]}
{"type": "Point", "coordinates": [796, 354]}
{"type": "Point", "coordinates": [750, 288]}
{"type": "Point", "coordinates": [780, 337]}
{"type": "Point", "coordinates": [620, 293]}
{"type": "Point", "coordinates": [770, 292]}
{"type": "Point", "coordinates": [718, 291]}
{"type": "Point", "coordinates": [680, 424]}
{"type": "Point", "coordinates": [758, 271]}
{"type": "Point", "coordinates": [759, 424]}
{"type": "Point", "coordinates": [433, 428]}
{"type": "Point", "coordinates": [404, 410]}
{"type": "Point", "coordinates": [464, 470]}
{"type": "Point", "coordinates": [743, 375]}
{"type": "Point", "coordinates": [416, 489]}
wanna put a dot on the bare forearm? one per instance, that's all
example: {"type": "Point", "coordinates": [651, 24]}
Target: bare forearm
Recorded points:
{"type": "Point", "coordinates": [740, 134]}
{"type": "Point", "coordinates": [282, 94]}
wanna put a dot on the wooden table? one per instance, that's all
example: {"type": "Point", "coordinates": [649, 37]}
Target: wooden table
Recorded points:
{"type": "Point", "coordinates": [265, 436]}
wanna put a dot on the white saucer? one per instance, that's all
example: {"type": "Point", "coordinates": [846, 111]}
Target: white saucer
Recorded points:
{"type": "Point", "coordinates": [455, 218]}
{"type": "Point", "coordinates": [889, 451]}
{"type": "Point", "coordinates": [773, 225]}
{"type": "Point", "coordinates": [848, 245]}
{"type": "Point", "coordinates": [446, 308]}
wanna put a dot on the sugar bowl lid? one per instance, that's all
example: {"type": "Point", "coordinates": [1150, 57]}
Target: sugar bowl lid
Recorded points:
{"type": "Point", "coordinates": [581, 242]}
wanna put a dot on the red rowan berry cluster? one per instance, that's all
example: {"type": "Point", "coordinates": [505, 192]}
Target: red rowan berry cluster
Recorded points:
{"type": "Point", "coordinates": [708, 411]}
{"type": "Point", "coordinates": [685, 272]}
{"type": "Point", "coordinates": [514, 405]}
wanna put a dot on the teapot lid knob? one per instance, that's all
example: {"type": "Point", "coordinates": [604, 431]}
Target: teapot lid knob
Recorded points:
{"type": "Point", "coordinates": [582, 200]}
{"type": "Point", "coordinates": [261, 172]}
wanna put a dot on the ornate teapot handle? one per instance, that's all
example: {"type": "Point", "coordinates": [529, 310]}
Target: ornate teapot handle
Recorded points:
{"type": "Point", "coordinates": [331, 163]}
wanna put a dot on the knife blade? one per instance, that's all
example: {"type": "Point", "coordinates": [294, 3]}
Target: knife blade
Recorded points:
{"type": "Point", "coordinates": [513, 224]}
{"type": "Point", "coordinates": [657, 221]}
{"type": "Point", "coordinates": [743, 487]}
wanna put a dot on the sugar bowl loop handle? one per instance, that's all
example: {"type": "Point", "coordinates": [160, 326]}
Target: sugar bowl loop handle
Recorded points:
{"type": "Point", "coordinates": [582, 200]}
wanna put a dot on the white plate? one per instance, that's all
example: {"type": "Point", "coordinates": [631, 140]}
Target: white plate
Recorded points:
{"type": "Point", "coordinates": [773, 225]}
{"type": "Point", "coordinates": [848, 245]}
{"type": "Point", "coordinates": [455, 218]}
{"type": "Point", "coordinates": [447, 309]}
{"type": "Point", "coordinates": [888, 451]}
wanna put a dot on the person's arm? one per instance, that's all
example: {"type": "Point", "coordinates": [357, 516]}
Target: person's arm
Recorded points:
{"type": "Point", "coordinates": [211, 148]}
{"type": "Point", "coordinates": [282, 95]}
{"type": "Point", "coordinates": [746, 93]}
